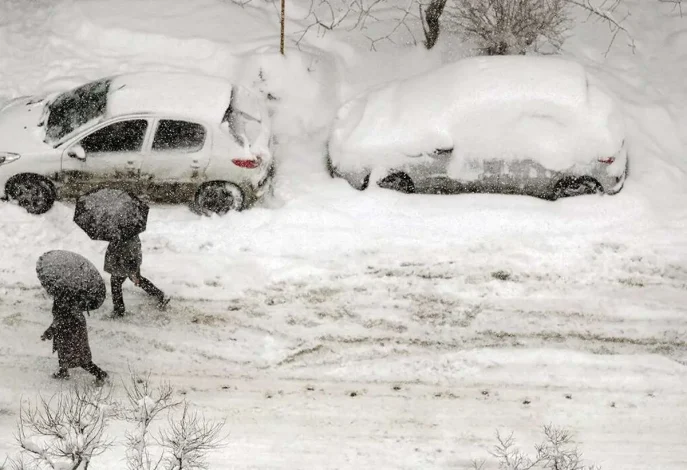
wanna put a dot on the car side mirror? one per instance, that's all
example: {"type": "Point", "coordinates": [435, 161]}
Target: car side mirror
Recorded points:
{"type": "Point", "coordinates": [77, 152]}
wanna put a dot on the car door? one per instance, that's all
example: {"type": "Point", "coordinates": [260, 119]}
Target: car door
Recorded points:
{"type": "Point", "coordinates": [110, 156]}
{"type": "Point", "coordinates": [178, 158]}
{"type": "Point", "coordinates": [468, 173]}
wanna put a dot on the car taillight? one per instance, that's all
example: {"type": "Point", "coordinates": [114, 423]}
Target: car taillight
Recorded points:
{"type": "Point", "coordinates": [247, 162]}
{"type": "Point", "coordinates": [606, 160]}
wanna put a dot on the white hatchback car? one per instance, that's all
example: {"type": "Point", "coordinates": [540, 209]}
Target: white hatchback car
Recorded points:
{"type": "Point", "coordinates": [170, 137]}
{"type": "Point", "coordinates": [541, 126]}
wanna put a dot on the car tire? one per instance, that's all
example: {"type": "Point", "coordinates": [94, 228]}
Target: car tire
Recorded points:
{"type": "Point", "coordinates": [219, 197]}
{"type": "Point", "coordinates": [398, 182]}
{"type": "Point", "coordinates": [571, 186]}
{"type": "Point", "coordinates": [33, 193]}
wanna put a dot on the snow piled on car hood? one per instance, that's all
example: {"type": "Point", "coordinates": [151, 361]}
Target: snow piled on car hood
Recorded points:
{"type": "Point", "coordinates": [542, 108]}
{"type": "Point", "coordinates": [19, 131]}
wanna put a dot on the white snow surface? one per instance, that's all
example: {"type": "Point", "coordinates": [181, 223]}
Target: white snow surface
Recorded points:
{"type": "Point", "coordinates": [342, 329]}
{"type": "Point", "coordinates": [546, 109]}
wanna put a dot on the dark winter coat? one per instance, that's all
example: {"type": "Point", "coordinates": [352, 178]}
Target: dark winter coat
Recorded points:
{"type": "Point", "coordinates": [69, 335]}
{"type": "Point", "coordinates": [124, 257]}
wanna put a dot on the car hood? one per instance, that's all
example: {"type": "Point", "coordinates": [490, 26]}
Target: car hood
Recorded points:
{"type": "Point", "coordinates": [19, 126]}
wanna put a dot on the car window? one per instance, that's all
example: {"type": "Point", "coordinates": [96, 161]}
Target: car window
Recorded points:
{"type": "Point", "coordinates": [252, 129]}
{"type": "Point", "coordinates": [180, 136]}
{"type": "Point", "coordinates": [243, 116]}
{"type": "Point", "coordinates": [123, 136]}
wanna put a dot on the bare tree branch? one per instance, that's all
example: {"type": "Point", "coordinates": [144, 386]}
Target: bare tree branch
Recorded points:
{"type": "Point", "coordinates": [604, 12]}
{"type": "Point", "coordinates": [357, 15]}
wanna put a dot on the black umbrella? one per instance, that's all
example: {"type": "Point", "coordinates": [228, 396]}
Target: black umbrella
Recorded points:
{"type": "Point", "coordinates": [111, 215]}
{"type": "Point", "coordinates": [64, 273]}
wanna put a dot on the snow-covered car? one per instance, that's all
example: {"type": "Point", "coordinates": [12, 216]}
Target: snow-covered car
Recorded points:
{"type": "Point", "coordinates": [167, 136]}
{"type": "Point", "coordinates": [541, 126]}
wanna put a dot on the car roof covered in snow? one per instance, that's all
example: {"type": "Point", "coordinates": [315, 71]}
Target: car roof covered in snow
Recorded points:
{"type": "Point", "coordinates": [197, 97]}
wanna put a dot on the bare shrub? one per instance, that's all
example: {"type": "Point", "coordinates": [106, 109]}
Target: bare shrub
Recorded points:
{"type": "Point", "coordinates": [145, 404]}
{"type": "Point", "coordinates": [188, 439]}
{"type": "Point", "coordinates": [185, 441]}
{"type": "Point", "coordinates": [65, 431]}
{"type": "Point", "coordinates": [501, 27]}
{"type": "Point", "coordinates": [555, 452]}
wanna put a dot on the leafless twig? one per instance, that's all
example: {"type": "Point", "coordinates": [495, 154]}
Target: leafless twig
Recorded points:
{"type": "Point", "coordinates": [604, 11]}
{"type": "Point", "coordinates": [351, 15]}
{"type": "Point", "coordinates": [676, 4]}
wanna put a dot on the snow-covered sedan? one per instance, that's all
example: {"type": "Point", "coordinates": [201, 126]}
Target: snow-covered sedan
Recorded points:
{"type": "Point", "coordinates": [541, 126]}
{"type": "Point", "coordinates": [168, 136]}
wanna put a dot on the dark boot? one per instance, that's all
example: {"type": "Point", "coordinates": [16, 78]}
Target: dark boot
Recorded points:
{"type": "Point", "coordinates": [150, 288]}
{"type": "Point", "coordinates": [99, 374]}
{"type": "Point", "coordinates": [61, 374]}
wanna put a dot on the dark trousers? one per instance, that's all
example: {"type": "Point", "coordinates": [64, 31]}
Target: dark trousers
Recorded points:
{"type": "Point", "coordinates": [116, 283]}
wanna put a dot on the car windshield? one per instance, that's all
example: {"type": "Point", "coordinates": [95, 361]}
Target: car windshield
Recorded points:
{"type": "Point", "coordinates": [72, 109]}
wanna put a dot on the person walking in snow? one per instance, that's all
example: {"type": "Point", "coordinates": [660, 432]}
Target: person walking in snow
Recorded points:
{"type": "Point", "coordinates": [123, 260]}
{"type": "Point", "coordinates": [69, 335]}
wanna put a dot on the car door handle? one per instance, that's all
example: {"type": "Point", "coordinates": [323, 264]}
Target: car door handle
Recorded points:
{"type": "Point", "coordinates": [131, 162]}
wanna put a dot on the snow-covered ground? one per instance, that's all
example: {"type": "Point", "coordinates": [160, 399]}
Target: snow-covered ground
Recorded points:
{"type": "Point", "coordinates": [344, 329]}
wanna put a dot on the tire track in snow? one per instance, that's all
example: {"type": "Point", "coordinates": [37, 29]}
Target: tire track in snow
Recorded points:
{"type": "Point", "coordinates": [405, 309]}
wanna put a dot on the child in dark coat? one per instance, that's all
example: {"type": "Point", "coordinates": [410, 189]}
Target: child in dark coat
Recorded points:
{"type": "Point", "coordinates": [69, 335]}
{"type": "Point", "coordinates": [123, 260]}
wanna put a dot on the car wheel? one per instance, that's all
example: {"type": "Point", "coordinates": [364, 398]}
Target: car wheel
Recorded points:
{"type": "Point", "coordinates": [398, 182]}
{"type": "Point", "coordinates": [36, 195]}
{"type": "Point", "coordinates": [570, 186]}
{"type": "Point", "coordinates": [219, 197]}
